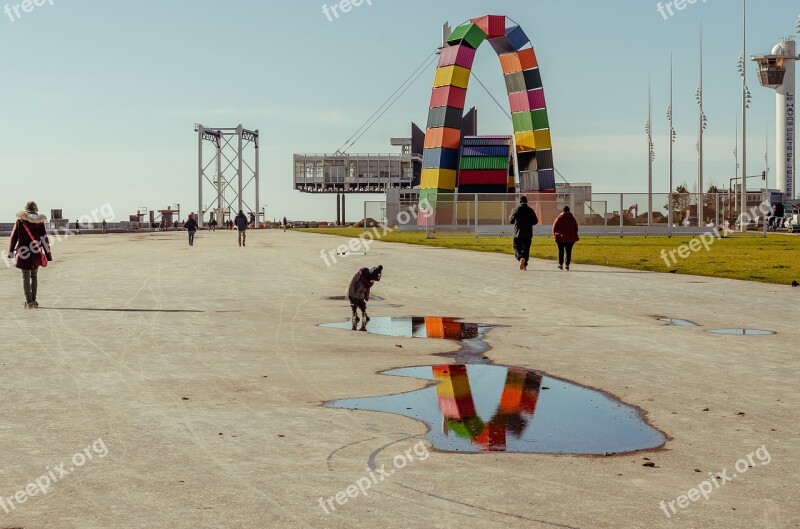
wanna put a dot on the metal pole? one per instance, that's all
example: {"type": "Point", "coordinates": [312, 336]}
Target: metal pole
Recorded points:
{"type": "Point", "coordinates": [649, 155]}
{"type": "Point", "coordinates": [700, 142]}
{"type": "Point", "coordinates": [743, 227]}
{"type": "Point", "coordinates": [256, 140]}
{"type": "Point", "coordinates": [671, 143]}
{"type": "Point", "coordinates": [621, 208]}
{"type": "Point", "coordinates": [220, 188]}
{"type": "Point", "coordinates": [239, 167]}
{"type": "Point", "coordinates": [200, 169]}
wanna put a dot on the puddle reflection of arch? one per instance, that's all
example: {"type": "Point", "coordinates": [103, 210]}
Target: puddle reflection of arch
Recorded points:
{"type": "Point", "coordinates": [480, 408]}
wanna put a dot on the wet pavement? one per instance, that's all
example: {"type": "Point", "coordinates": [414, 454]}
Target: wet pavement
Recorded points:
{"type": "Point", "coordinates": [742, 332]}
{"type": "Point", "coordinates": [676, 322]}
{"type": "Point", "coordinates": [475, 406]}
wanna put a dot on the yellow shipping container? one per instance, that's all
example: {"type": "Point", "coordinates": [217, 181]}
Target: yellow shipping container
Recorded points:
{"type": "Point", "coordinates": [452, 75]}
{"type": "Point", "coordinates": [438, 179]}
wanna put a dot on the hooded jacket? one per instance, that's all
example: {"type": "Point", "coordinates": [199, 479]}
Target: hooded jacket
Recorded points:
{"type": "Point", "coordinates": [565, 228]}
{"type": "Point", "coordinates": [241, 222]}
{"type": "Point", "coordinates": [524, 219]}
{"type": "Point", "coordinates": [28, 257]}
{"type": "Point", "coordinates": [360, 285]}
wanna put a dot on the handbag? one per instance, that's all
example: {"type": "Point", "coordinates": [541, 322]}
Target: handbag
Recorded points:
{"type": "Point", "coordinates": [38, 246]}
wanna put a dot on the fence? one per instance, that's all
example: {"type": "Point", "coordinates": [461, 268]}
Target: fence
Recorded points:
{"type": "Point", "coordinates": [616, 214]}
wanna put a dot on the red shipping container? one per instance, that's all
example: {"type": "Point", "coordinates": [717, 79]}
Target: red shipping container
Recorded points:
{"type": "Point", "coordinates": [449, 96]}
{"type": "Point", "coordinates": [493, 25]}
{"type": "Point", "coordinates": [458, 55]}
{"type": "Point", "coordinates": [482, 177]}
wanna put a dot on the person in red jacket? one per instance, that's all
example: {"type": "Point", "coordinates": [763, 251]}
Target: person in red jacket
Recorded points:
{"type": "Point", "coordinates": [565, 232]}
{"type": "Point", "coordinates": [31, 249]}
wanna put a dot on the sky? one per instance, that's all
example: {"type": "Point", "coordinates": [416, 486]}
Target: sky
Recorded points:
{"type": "Point", "coordinates": [98, 99]}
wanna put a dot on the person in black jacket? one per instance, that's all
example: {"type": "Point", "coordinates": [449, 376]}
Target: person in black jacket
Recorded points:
{"type": "Point", "coordinates": [241, 225]}
{"type": "Point", "coordinates": [524, 219]}
{"type": "Point", "coordinates": [30, 247]}
{"type": "Point", "coordinates": [358, 291]}
{"type": "Point", "coordinates": [191, 226]}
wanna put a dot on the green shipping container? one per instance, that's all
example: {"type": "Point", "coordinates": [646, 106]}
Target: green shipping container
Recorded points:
{"type": "Point", "coordinates": [471, 34]}
{"type": "Point", "coordinates": [534, 120]}
{"type": "Point", "coordinates": [484, 162]}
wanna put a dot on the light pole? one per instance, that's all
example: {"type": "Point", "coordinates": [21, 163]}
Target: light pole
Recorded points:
{"type": "Point", "coordinates": [702, 125]}
{"type": "Point", "coordinates": [745, 105]}
{"type": "Point", "coordinates": [671, 144]}
{"type": "Point", "coordinates": [650, 155]}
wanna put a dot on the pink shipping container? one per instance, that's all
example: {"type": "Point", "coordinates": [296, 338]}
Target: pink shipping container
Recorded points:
{"type": "Point", "coordinates": [493, 25]}
{"type": "Point", "coordinates": [458, 55]}
{"type": "Point", "coordinates": [482, 177]}
{"type": "Point", "coordinates": [526, 101]}
{"type": "Point", "coordinates": [449, 96]}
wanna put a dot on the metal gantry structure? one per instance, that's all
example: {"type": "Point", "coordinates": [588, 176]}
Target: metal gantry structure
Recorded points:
{"type": "Point", "coordinates": [232, 171]}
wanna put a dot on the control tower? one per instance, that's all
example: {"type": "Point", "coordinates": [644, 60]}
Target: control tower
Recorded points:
{"type": "Point", "coordinates": [777, 71]}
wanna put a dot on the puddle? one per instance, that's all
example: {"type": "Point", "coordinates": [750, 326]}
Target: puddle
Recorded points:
{"type": "Point", "coordinates": [742, 332]}
{"type": "Point", "coordinates": [479, 408]}
{"type": "Point", "coordinates": [675, 322]}
{"type": "Point", "coordinates": [469, 336]}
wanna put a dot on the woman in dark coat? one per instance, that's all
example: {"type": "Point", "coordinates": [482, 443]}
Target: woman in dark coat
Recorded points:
{"type": "Point", "coordinates": [565, 232]}
{"type": "Point", "coordinates": [28, 240]}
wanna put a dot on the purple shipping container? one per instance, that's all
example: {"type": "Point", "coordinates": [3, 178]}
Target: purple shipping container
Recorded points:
{"type": "Point", "coordinates": [458, 55]}
{"type": "Point", "coordinates": [472, 141]}
{"type": "Point", "coordinates": [486, 150]}
{"type": "Point", "coordinates": [527, 101]}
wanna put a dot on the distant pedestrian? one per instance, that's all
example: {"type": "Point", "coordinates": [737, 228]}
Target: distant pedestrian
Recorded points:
{"type": "Point", "coordinates": [565, 233]}
{"type": "Point", "coordinates": [213, 225]}
{"type": "Point", "coordinates": [524, 219]}
{"type": "Point", "coordinates": [77, 227]}
{"type": "Point", "coordinates": [191, 227]}
{"type": "Point", "coordinates": [30, 248]}
{"type": "Point", "coordinates": [285, 222]}
{"type": "Point", "coordinates": [241, 225]}
{"type": "Point", "coordinates": [105, 227]}
{"type": "Point", "coordinates": [252, 221]}
{"type": "Point", "coordinates": [358, 291]}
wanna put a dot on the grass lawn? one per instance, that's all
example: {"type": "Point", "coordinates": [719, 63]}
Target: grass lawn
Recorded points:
{"type": "Point", "coordinates": [750, 257]}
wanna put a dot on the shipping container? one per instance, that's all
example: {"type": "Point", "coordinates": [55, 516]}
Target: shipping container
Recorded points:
{"type": "Point", "coordinates": [448, 96]}
{"type": "Point", "coordinates": [440, 158]}
{"type": "Point", "coordinates": [449, 117]}
{"type": "Point", "coordinates": [486, 140]}
{"type": "Point", "coordinates": [443, 137]}
{"type": "Point", "coordinates": [469, 34]}
{"type": "Point", "coordinates": [525, 141]}
{"type": "Point", "coordinates": [513, 40]}
{"type": "Point", "coordinates": [493, 25]}
{"type": "Point", "coordinates": [485, 162]}
{"type": "Point", "coordinates": [547, 179]}
{"type": "Point", "coordinates": [482, 177]}
{"type": "Point", "coordinates": [486, 150]}
{"type": "Point", "coordinates": [544, 159]}
{"type": "Point", "coordinates": [438, 179]}
{"type": "Point", "coordinates": [482, 188]}
{"type": "Point", "coordinates": [532, 79]}
{"type": "Point", "coordinates": [515, 82]}
{"type": "Point", "coordinates": [527, 101]}
{"type": "Point", "coordinates": [452, 75]}
{"type": "Point", "coordinates": [458, 55]}
{"type": "Point", "coordinates": [542, 140]}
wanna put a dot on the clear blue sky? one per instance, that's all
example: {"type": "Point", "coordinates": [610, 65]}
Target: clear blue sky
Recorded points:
{"type": "Point", "coordinates": [99, 98]}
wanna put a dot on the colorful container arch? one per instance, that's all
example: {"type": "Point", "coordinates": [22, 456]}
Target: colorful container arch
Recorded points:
{"type": "Point", "coordinates": [532, 137]}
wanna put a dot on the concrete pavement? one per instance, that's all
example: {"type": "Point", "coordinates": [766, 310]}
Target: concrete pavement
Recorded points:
{"type": "Point", "coordinates": [202, 370]}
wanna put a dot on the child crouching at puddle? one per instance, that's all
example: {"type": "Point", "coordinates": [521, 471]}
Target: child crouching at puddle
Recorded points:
{"type": "Point", "coordinates": [358, 291]}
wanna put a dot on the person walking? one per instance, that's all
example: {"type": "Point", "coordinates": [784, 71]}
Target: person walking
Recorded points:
{"type": "Point", "coordinates": [565, 233]}
{"type": "Point", "coordinates": [191, 227]}
{"type": "Point", "coordinates": [241, 225]}
{"type": "Point", "coordinates": [105, 227]}
{"type": "Point", "coordinates": [524, 219]}
{"type": "Point", "coordinates": [285, 222]}
{"type": "Point", "coordinates": [30, 247]}
{"type": "Point", "coordinates": [358, 292]}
